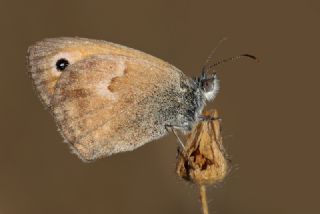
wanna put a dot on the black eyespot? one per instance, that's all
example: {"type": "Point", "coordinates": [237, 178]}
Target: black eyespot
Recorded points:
{"type": "Point", "coordinates": [62, 64]}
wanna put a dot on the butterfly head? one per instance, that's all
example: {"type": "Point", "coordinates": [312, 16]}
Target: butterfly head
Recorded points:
{"type": "Point", "coordinates": [209, 85]}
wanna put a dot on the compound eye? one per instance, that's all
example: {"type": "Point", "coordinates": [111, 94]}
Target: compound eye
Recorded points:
{"type": "Point", "coordinates": [62, 64]}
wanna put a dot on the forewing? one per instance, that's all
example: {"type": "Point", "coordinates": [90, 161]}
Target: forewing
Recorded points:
{"type": "Point", "coordinates": [43, 56]}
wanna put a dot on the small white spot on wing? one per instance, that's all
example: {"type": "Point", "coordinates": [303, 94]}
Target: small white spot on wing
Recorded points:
{"type": "Point", "coordinates": [102, 88]}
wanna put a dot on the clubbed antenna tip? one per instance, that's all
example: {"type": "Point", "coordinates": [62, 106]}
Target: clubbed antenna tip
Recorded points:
{"type": "Point", "coordinates": [232, 59]}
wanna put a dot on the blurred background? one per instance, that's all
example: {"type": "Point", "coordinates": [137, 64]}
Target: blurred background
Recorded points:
{"type": "Point", "coordinates": [270, 110]}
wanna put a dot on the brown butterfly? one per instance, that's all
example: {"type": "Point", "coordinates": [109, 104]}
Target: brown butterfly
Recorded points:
{"type": "Point", "coordinates": [107, 98]}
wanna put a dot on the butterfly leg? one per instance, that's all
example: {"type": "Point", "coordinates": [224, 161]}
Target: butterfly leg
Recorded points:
{"type": "Point", "coordinates": [186, 157]}
{"type": "Point", "coordinates": [173, 129]}
{"type": "Point", "coordinates": [208, 118]}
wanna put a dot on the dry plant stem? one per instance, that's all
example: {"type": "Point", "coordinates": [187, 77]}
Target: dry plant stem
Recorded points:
{"type": "Point", "coordinates": [203, 198]}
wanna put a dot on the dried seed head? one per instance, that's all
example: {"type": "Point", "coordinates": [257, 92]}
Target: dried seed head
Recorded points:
{"type": "Point", "coordinates": [204, 159]}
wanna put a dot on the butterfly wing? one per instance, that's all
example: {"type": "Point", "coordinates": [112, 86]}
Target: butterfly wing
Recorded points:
{"type": "Point", "coordinates": [43, 56]}
{"type": "Point", "coordinates": [108, 100]}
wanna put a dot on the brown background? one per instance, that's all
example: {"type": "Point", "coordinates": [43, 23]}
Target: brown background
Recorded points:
{"type": "Point", "coordinates": [269, 109]}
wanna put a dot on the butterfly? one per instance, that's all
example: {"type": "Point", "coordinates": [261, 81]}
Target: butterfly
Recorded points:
{"type": "Point", "coordinates": [107, 98]}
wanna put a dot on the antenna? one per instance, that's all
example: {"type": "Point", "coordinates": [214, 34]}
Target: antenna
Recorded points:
{"type": "Point", "coordinates": [205, 65]}
{"type": "Point", "coordinates": [232, 59]}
